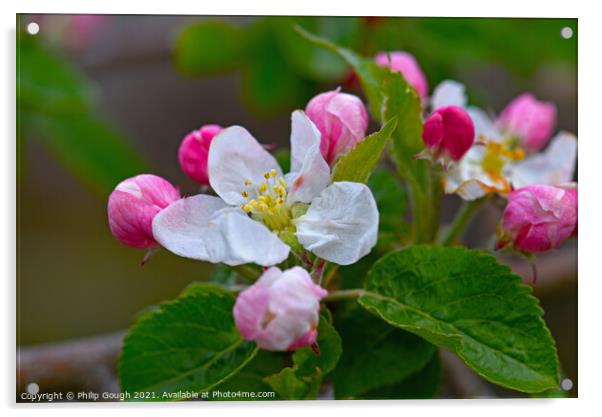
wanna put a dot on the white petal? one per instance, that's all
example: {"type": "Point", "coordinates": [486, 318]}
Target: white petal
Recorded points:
{"type": "Point", "coordinates": [310, 173]}
{"type": "Point", "coordinates": [483, 125]}
{"type": "Point", "coordinates": [304, 136]}
{"type": "Point", "coordinates": [236, 156]}
{"type": "Point", "coordinates": [554, 166]}
{"type": "Point", "coordinates": [469, 181]}
{"type": "Point", "coordinates": [311, 180]}
{"type": "Point", "coordinates": [203, 227]}
{"type": "Point", "coordinates": [341, 224]}
{"type": "Point", "coordinates": [448, 93]}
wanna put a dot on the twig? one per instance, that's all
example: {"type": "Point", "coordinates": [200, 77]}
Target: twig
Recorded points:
{"type": "Point", "coordinates": [80, 365]}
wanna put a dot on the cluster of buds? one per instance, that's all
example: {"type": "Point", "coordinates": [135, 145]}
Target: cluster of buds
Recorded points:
{"type": "Point", "coordinates": [255, 218]}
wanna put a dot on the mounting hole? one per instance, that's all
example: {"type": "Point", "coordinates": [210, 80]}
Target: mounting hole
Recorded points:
{"type": "Point", "coordinates": [33, 28]}
{"type": "Point", "coordinates": [566, 32]}
{"type": "Point", "coordinates": [33, 388]}
{"type": "Point", "coordinates": [566, 384]}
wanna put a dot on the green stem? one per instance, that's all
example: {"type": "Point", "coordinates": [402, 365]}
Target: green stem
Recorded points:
{"type": "Point", "coordinates": [462, 219]}
{"type": "Point", "coordinates": [248, 272]}
{"type": "Point", "coordinates": [344, 294]}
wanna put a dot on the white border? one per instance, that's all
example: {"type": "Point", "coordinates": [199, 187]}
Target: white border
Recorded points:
{"type": "Point", "coordinates": [590, 151]}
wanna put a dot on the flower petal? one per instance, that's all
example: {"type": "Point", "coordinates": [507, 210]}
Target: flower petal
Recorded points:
{"type": "Point", "coordinates": [304, 136]}
{"type": "Point", "coordinates": [204, 228]}
{"type": "Point", "coordinates": [468, 179]}
{"type": "Point", "coordinates": [448, 93]}
{"type": "Point", "coordinates": [310, 173]}
{"type": "Point", "coordinates": [484, 127]}
{"type": "Point", "coordinates": [341, 225]}
{"type": "Point", "coordinates": [554, 166]}
{"type": "Point", "coordinates": [236, 156]}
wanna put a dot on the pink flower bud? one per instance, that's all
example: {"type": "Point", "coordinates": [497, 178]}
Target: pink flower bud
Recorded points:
{"type": "Point", "coordinates": [448, 133]}
{"type": "Point", "coordinates": [531, 121]}
{"type": "Point", "coordinates": [537, 218]}
{"type": "Point", "coordinates": [281, 310]}
{"type": "Point", "coordinates": [572, 190]}
{"type": "Point", "coordinates": [342, 120]}
{"type": "Point", "coordinates": [407, 65]}
{"type": "Point", "coordinates": [133, 205]}
{"type": "Point", "coordinates": [194, 151]}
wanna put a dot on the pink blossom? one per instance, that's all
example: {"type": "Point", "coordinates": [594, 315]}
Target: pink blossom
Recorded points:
{"type": "Point", "coordinates": [448, 133]}
{"type": "Point", "coordinates": [281, 310]}
{"type": "Point", "coordinates": [538, 218]}
{"type": "Point", "coordinates": [133, 205]}
{"type": "Point", "coordinates": [530, 120]}
{"type": "Point", "coordinates": [342, 120]}
{"type": "Point", "coordinates": [194, 152]}
{"type": "Point", "coordinates": [407, 65]}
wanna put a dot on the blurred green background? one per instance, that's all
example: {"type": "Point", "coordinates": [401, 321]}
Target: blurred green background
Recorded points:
{"type": "Point", "coordinates": [101, 98]}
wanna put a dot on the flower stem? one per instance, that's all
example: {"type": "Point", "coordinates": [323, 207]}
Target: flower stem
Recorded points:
{"type": "Point", "coordinates": [248, 272]}
{"type": "Point", "coordinates": [344, 294]}
{"type": "Point", "coordinates": [462, 219]}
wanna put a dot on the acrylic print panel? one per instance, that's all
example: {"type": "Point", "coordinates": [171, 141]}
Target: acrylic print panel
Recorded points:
{"type": "Point", "coordinates": [286, 208]}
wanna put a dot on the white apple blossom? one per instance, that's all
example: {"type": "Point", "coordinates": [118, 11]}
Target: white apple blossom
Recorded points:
{"type": "Point", "coordinates": [496, 163]}
{"type": "Point", "coordinates": [259, 213]}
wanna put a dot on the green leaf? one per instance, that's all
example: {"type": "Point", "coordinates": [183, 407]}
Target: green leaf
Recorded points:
{"type": "Point", "coordinates": [210, 47]}
{"type": "Point", "coordinates": [390, 198]}
{"type": "Point", "coordinates": [376, 354]}
{"type": "Point", "coordinates": [369, 73]}
{"type": "Point", "coordinates": [88, 147]}
{"type": "Point", "coordinates": [269, 85]}
{"type": "Point", "coordinates": [466, 302]}
{"type": "Point", "coordinates": [291, 386]}
{"type": "Point", "coordinates": [46, 81]}
{"type": "Point", "coordinates": [302, 380]}
{"type": "Point", "coordinates": [54, 103]}
{"type": "Point", "coordinates": [357, 164]}
{"type": "Point", "coordinates": [223, 274]}
{"type": "Point", "coordinates": [423, 384]}
{"type": "Point", "coordinates": [329, 343]}
{"type": "Point", "coordinates": [188, 344]}
{"type": "Point", "coordinates": [250, 379]}
{"type": "Point", "coordinates": [309, 60]}
{"type": "Point", "coordinates": [402, 102]}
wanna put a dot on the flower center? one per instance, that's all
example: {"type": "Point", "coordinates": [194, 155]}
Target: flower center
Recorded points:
{"type": "Point", "coordinates": [266, 202]}
{"type": "Point", "coordinates": [496, 156]}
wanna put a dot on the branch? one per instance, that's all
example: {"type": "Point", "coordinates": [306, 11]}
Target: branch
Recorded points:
{"type": "Point", "coordinates": [79, 365]}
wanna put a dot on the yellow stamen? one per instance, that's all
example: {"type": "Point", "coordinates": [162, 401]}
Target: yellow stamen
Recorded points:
{"type": "Point", "coordinates": [269, 202]}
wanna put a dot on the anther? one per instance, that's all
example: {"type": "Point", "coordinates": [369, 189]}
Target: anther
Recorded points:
{"type": "Point", "coordinates": [273, 172]}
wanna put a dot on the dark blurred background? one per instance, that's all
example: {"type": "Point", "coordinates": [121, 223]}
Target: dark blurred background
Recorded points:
{"type": "Point", "coordinates": [143, 82]}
